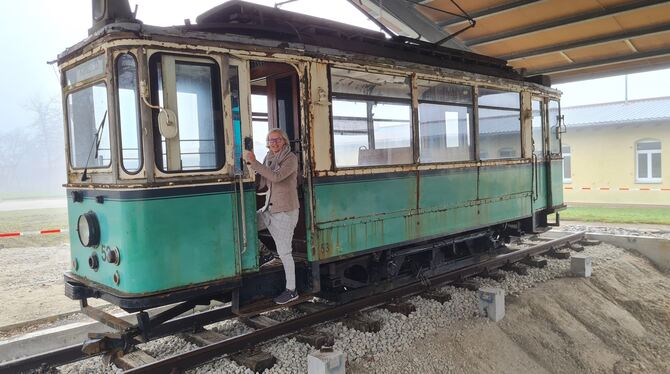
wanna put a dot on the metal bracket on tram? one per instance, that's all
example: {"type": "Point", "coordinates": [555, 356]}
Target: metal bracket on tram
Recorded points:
{"type": "Point", "coordinates": [167, 118]}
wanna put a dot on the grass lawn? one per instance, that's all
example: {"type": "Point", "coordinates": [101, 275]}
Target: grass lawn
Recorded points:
{"type": "Point", "coordinates": [33, 220]}
{"type": "Point", "coordinates": [617, 215]}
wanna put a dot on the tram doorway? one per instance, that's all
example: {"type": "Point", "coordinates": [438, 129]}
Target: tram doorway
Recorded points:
{"type": "Point", "coordinates": [275, 103]}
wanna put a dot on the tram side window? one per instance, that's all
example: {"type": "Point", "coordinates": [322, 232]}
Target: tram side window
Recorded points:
{"type": "Point", "coordinates": [554, 124]}
{"type": "Point", "coordinates": [445, 122]}
{"type": "Point", "coordinates": [190, 88]}
{"type": "Point", "coordinates": [538, 139]}
{"type": "Point", "coordinates": [88, 127]}
{"type": "Point", "coordinates": [131, 143]}
{"type": "Point", "coordinates": [499, 124]}
{"type": "Point", "coordinates": [371, 118]}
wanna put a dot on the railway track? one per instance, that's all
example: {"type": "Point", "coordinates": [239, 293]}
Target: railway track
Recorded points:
{"type": "Point", "coordinates": [213, 345]}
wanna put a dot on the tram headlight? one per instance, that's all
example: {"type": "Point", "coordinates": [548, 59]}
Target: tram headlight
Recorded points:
{"type": "Point", "coordinates": [88, 229]}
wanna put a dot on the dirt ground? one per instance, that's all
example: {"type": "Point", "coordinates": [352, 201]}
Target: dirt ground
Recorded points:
{"type": "Point", "coordinates": [31, 284]}
{"type": "Point", "coordinates": [617, 321]}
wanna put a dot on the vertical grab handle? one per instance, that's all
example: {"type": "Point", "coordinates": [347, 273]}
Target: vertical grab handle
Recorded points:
{"type": "Point", "coordinates": [248, 146]}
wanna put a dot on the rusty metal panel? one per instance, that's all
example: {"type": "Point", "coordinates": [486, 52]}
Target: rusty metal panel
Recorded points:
{"type": "Point", "coordinates": [319, 117]}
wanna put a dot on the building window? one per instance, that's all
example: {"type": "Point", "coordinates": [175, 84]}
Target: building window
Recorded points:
{"type": "Point", "coordinates": [567, 164]}
{"type": "Point", "coordinates": [648, 161]}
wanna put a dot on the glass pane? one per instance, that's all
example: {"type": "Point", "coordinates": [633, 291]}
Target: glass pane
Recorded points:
{"type": "Point", "coordinates": [500, 99]}
{"type": "Point", "coordinates": [234, 80]}
{"type": "Point", "coordinates": [444, 92]}
{"type": "Point", "coordinates": [355, 82]}
{"type": "Point", "coordinates": [565, 149]}
{"type": "Point", "coordinates": [499, 134]}
{"type": "Point", "coordinates": [131, 145]}
{"type": "Point", "coordinates": [259, 123]}
{"type": "Point", "coordinates": [86, 70]}
{"type": "Point", "coordinates": [88, 124]}
{"type": "Point", "coordinates": [444, 132]}
{"type": "Point", "coordinates": [538, 139]}
{"type": "Point", "coordinates": [656, 165]}
{"type": "Point", "coordinates": [567, 167]}
{"type": "Point", "coordinates": [197, 138]}
{"type": "Point", "coordinates": [642, 166]}
{"type": "Point", "coordinates": [652, 146]}
{"type": "Point", "coordinates": [554, 123]}
{"type": "Point", "coordinates": [371, 133]}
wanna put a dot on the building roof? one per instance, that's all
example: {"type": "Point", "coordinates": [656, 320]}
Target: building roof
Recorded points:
{"type": "Point", "coordinates": [565, 40]}
{"type": "Point", "coordinates": [622, 112]}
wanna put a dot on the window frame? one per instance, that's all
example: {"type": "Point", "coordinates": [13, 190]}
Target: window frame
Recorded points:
{"type": "Point", "coordinates": [140, 140]}
{"type": "Point", "coordinates": [544, 127]}
{"type": "Point", "coordinates": [378, 99]}
{"type": "Point", "coordinates": [225, 144]}
{"type": "Point", "coordinates": [648, 153]}
{"type": "Point", "coordinates": [568, 154]}
{"type": "Point", "coordinates": [67, 90]}
{"type": "Point", "coordinates": [478, 127]}
{"type": "Point", "coordinates": [473, 147]}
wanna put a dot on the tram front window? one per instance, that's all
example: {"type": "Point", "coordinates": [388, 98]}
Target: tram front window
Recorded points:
{"type": "Point", "coordinates": [88, 127]}
{"type": "Point", "coordinates": [190, 88]}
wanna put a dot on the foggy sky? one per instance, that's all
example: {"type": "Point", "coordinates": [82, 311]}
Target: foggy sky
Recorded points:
{"type": "Point", "coordinates": [36, 31]}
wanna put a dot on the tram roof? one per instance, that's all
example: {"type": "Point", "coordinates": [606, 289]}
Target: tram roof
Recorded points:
{"type": "Point", "coordinates": [564, 40]}
{"type": "Point", "coordinates": [240, 17]}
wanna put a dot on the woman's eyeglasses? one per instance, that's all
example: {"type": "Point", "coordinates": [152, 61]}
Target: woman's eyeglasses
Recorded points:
{"type": "Point", "coordinates": [275, 141]}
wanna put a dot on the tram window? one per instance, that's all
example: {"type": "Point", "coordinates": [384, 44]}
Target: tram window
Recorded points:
{"type": "Point", "coordinates": [371, 118]}
{"type": "Point", "coordinates": [131, 143]}
{"type": "Point", "coordinates": [191, 88]}
{"type": "Point", "coordinates": [554, 123]}
{"type": "Point", "coordinates": [85, 70]}
{"type": "Point", "coordinates": [538, 139]}
{"type": "Point", "coordinates": [259, 123]}
{"type": "Point", "coordinates": [88, 126]}
{"type": "Point", "coordinates": [445, 120]}
{"type": "Point", "coordinates": [499, 124]}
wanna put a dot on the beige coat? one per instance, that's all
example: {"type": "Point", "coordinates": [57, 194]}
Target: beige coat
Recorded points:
{"type": "Point", "coordinates": [283, 183]}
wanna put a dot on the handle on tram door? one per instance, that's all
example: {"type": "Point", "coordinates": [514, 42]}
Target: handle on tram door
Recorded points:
{"type": "Point", "coordinates": [248, 145]}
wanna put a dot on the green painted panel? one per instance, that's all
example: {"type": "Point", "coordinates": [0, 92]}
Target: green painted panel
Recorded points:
{"type": "Point", "coordinates": [556, 182]}
{"type": "Point", "coordinates": [166, 243]}
{"type": "Point", "coordinates": [542, 192]}
{"type": "Point", "coordinates": [448, 204]}
{"type": "Point", "coordinates": [505, 180]}
{"type": "Point", "coordinates": [450, 188]}
{"type": "Point", "coordinates": [364, 198]}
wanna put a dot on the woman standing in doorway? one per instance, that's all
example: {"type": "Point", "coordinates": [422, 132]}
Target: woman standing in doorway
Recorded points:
{"type": "Point", "coordinates": [279, 172]}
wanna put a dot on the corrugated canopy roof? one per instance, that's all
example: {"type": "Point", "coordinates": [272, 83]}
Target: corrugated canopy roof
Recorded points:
{"type": "Point", "coordinates": [566, 40]}
{"type": "Point", "coordinates": [623, 112]}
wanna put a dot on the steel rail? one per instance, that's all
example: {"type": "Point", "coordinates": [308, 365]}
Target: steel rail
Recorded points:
{"type": "Point", "coordinates": [184, 361]}
{"type": "Point", "coordinates": [73, 353]}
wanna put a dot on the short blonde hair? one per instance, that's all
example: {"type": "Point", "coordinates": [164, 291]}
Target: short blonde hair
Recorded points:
{"type": "Point", "coordinates": [279, 131]}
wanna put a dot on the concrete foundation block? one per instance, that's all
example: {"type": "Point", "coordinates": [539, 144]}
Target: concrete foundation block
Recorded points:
{"type": "Point", "coordinates": [580, 266]}
{"type": "Point", "coordinates": [326, 362]}
{"type": "Point", "coordinates": [492, 303]}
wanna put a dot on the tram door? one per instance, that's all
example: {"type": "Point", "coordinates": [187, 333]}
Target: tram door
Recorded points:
{"type": "Point", "coordinates": [275, 103]}
{"type": "Point", "coordinates": [540, 159]}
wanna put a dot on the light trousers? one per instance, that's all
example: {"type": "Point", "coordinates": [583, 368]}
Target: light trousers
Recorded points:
{"type": "Point", "coordinates": [281, 226]}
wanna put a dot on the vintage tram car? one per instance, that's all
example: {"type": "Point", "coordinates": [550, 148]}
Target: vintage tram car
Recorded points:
{"type": "Point", "coordinates": [414, 159]}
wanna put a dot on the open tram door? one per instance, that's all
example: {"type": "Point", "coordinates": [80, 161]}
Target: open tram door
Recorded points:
{"type": "Point", "coordinates": [275, 103]}
{"type": "Point", "coordinates": [547, 193]}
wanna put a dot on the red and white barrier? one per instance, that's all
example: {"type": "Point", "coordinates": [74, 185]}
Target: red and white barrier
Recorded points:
{"type": "Point", "coordinates": [30, 233]}
{"type": "Point", "coordinates": [625, 189]}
